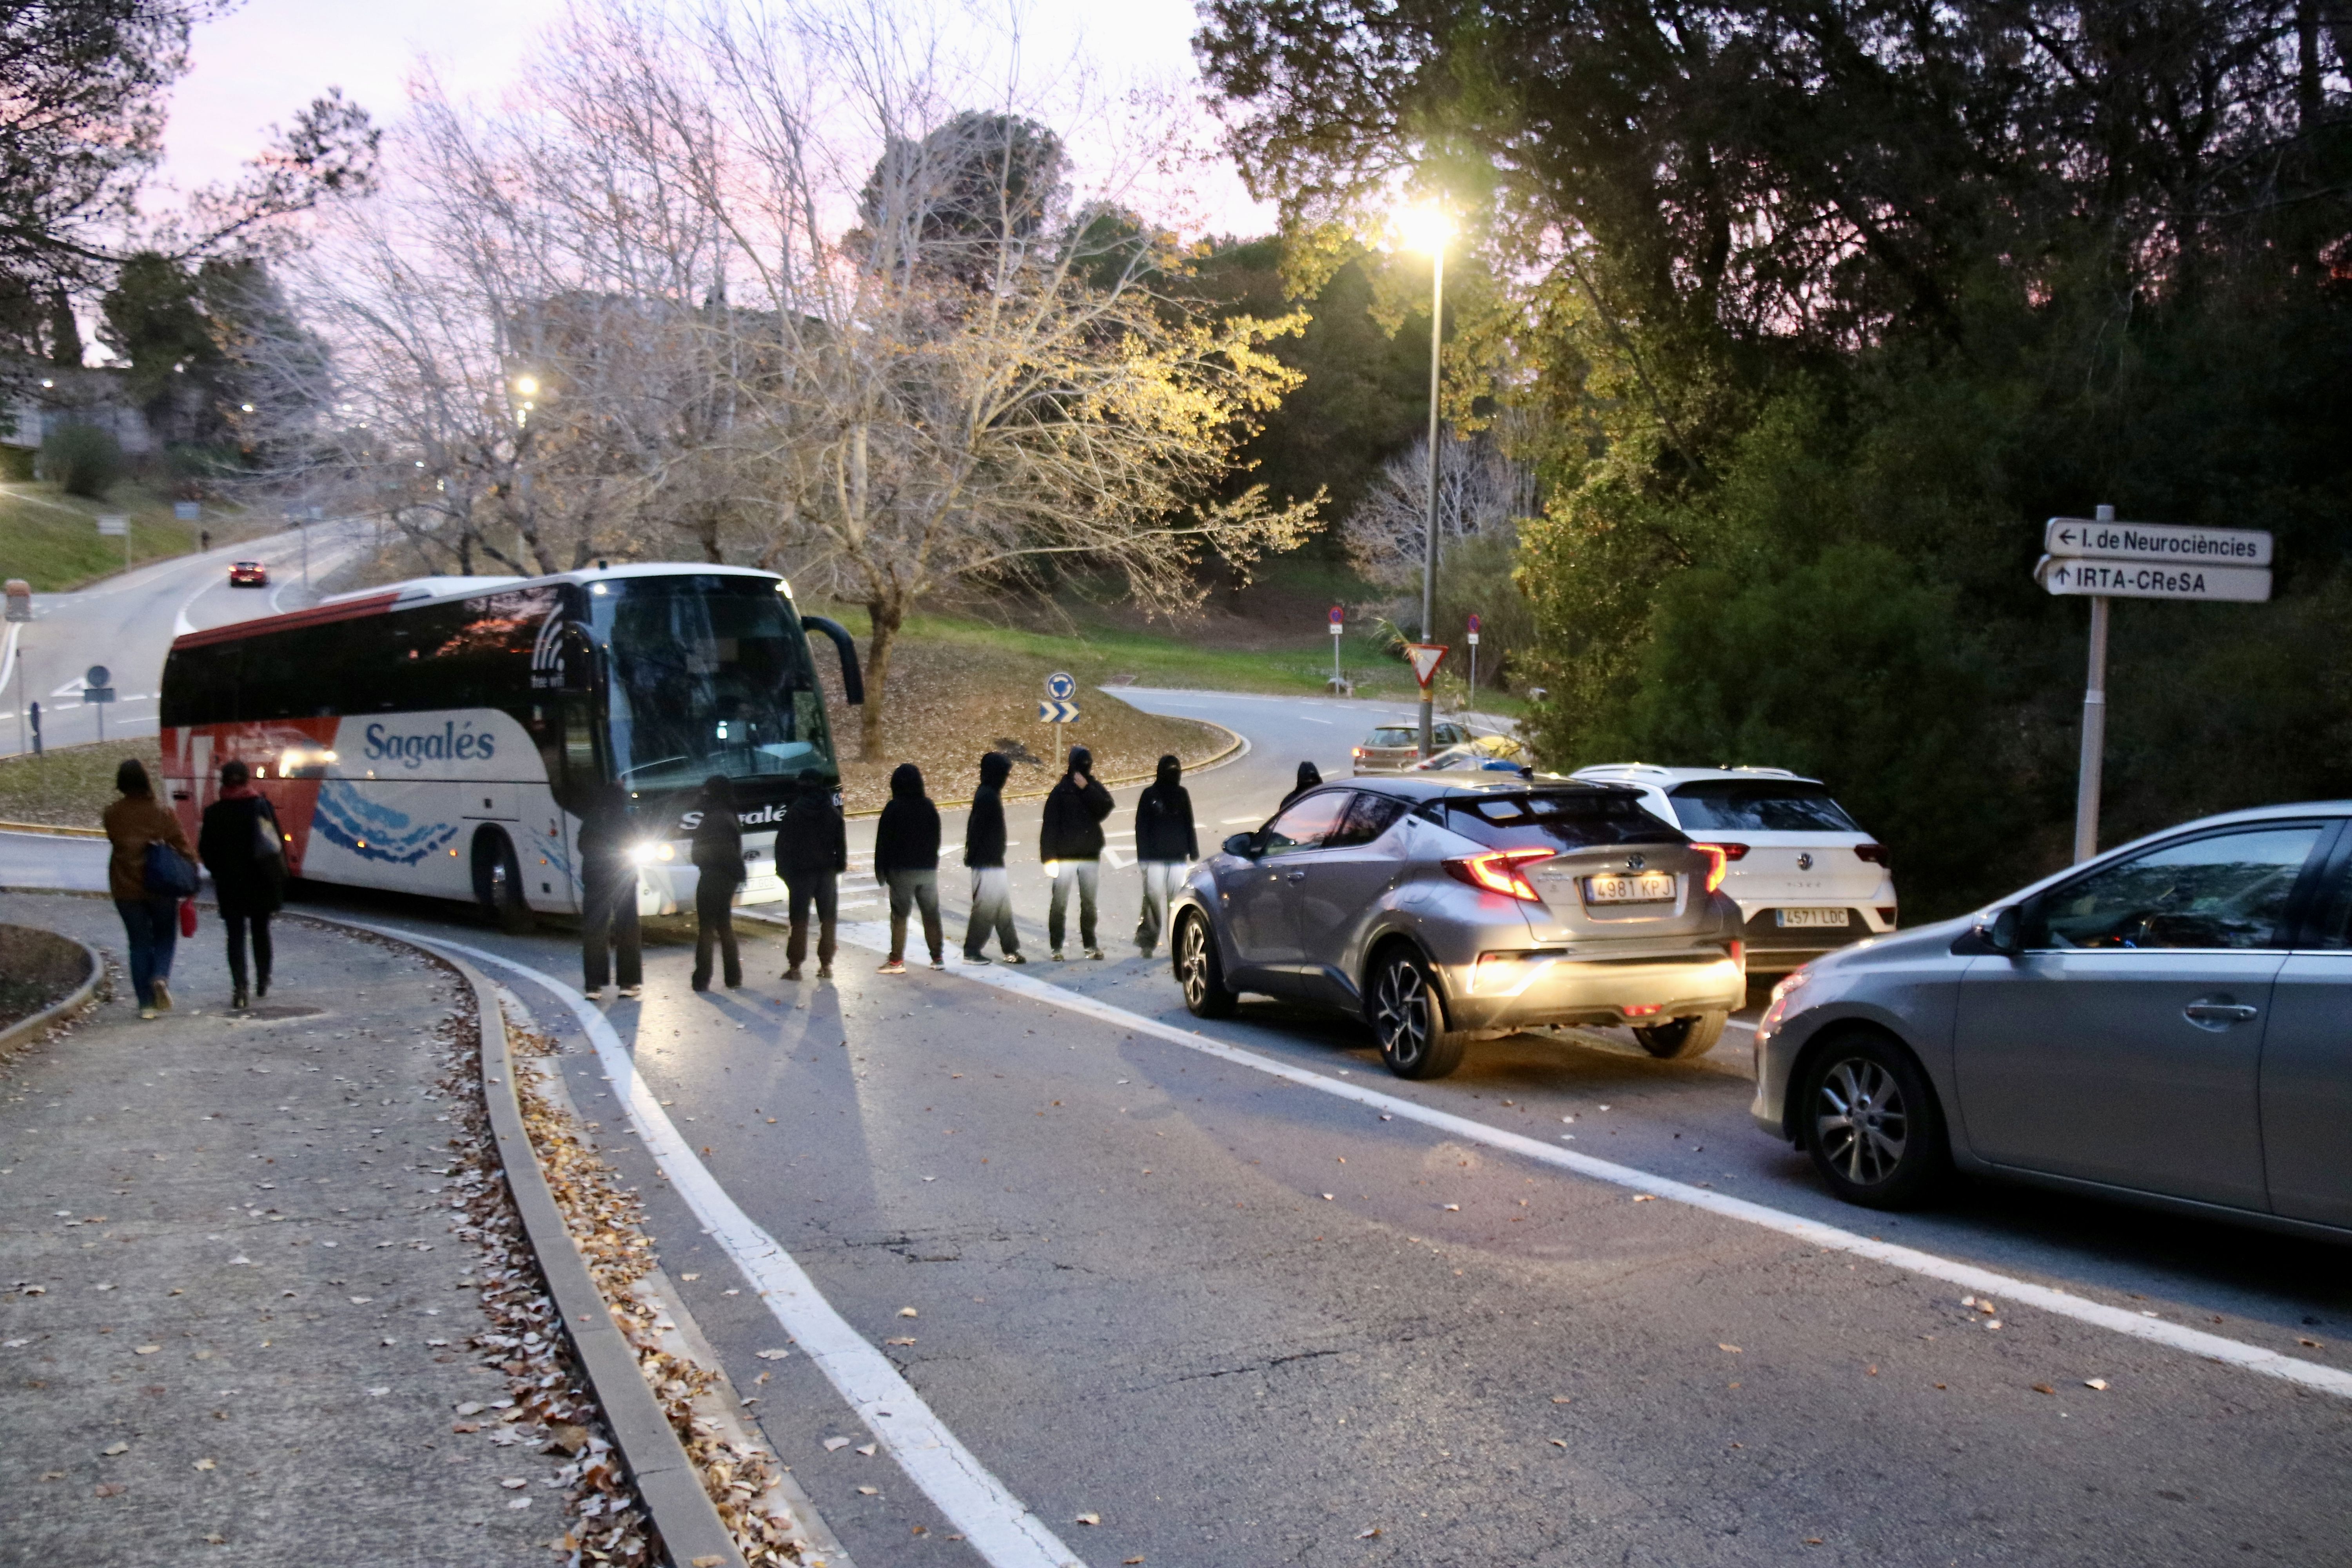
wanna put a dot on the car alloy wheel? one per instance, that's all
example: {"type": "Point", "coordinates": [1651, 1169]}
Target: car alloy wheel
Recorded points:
{"type": "Point", "coordinates": [1872, 1123]}
{"type": "Point", "coordinates": [1861, 1120]}
{"type": "Point", "coordinates": [1408, 1020]}
{"type": "Point", "coordinates": [1198, 971]}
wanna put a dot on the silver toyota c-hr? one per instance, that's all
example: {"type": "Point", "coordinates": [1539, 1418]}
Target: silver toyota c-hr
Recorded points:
{"type": "Point", "coordinates": [1440, 909]}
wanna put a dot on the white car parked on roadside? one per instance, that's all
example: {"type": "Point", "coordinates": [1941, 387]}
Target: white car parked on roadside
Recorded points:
{"type": "Point", "coordinates": [1806, 877]}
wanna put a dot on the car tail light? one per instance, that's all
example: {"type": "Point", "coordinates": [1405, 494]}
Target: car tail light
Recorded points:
{"type": "Point", "coordinates": [1739, 951]}
{"type": "Point", "coordinates": [1730, 851]}
{"type": "Point", "coordinates": [1642, 1010]}
{"type": "Point", "coordinates": [1719, 858]}
{"type": "Point", "coordinates": [1874, 853]}
{"type": "Point", "coordinates": [1498, 871]}
{"type": "Point", "coordinates": [1359, 754]}
{"type": "Point", "coordinates": [1887, 914]}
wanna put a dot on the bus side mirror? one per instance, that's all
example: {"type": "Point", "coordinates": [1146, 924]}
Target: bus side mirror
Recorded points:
{"type": "Point", "coordinates": [853, 684]}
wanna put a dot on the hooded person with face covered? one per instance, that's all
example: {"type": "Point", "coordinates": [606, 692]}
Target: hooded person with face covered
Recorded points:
{"type": "Point", "coordinates": [907, 861]}
{"type": "Point", "coordinates": [812, 852]}
{"type": "Point", "coordinates": [1071, 846]}
{"type": "Point", "coordinates": [1165, 844]}
{"type": "Point", "coordinates": [983, 855]}
{"type": "Point", "coordinates": [1310, 778]}
{"type": "Point", "coordinates": [719, 862]}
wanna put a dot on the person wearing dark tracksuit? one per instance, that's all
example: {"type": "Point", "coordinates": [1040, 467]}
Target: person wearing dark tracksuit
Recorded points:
{"type": "Point", "coordinates": [1071, 845]}
{"type": "Point", "coordinates": [608, 896]}
{"type": "Point", "coordinates": [719, 866]}
{"type": "Point", "coordinates": [812, 852]}
{"type": "Point", "coordinates": [1165, 842]}
{"type": "Point", "coordinates": [907, 861]}
{"type": "Point", "coordinates": [983, 855]}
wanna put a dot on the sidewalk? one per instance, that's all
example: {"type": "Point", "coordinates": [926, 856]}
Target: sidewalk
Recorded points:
{"type": "Point", "coordinates": [236, 1323]}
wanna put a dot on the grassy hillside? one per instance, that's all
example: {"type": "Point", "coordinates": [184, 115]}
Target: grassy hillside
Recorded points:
{"type": "Point", "coordinates": [51, 539]}
{"type": "Point", "coordinates": [68, 785]}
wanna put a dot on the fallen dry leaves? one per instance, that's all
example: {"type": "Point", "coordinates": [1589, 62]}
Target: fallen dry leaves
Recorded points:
{"type": "Point", "coordinates": [607, 1222]}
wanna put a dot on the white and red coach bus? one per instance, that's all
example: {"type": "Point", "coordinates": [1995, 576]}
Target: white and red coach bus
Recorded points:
{"type": "Point", "coordinates": [443, 736]}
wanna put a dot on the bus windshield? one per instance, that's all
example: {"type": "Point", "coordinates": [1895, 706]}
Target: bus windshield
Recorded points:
{"type": "Point", "coordinates": [709, 674]}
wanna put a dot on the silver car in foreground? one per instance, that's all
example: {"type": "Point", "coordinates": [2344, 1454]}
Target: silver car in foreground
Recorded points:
{"type": "Point", "coordinates": [1440, 909]}
{"type": "Point", "coordinates": [2169, 1023]}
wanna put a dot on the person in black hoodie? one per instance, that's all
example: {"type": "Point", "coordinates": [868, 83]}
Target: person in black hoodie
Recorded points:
{"type": "Point", "coordinates": [907, 861]}
{"type": "Point", "coordinates": [1072, 845]}
{"type": "Point", "coordinates": [1164, 845]}
{"type": "Point", "coordinates": [240, 845]}
{"type": "Point", "coordinates": [983, 854]}
{"type": "Point", "coordinates": [608, 896]}
{"type": "Point", "coordinates": [812, 852]}
{"type": "Point", "coordinates": [718, 859]}
{"type": "Point", "coordinates": [1310, 778]}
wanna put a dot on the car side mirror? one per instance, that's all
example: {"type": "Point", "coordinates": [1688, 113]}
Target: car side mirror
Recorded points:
{"type": "Point", "coordinates": [2002, 930]}
{"type": "Point", "coordinates": [1244, 845]}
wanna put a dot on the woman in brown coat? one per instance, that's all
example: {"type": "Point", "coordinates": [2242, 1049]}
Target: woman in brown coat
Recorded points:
{"type": "Point", "coordinates": [151, 922]}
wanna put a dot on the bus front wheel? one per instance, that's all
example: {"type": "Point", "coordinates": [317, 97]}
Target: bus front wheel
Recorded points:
{"type": "Point", "coordinates": [497, 882]}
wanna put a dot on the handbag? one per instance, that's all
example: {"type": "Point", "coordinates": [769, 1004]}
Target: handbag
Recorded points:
{"type": "Point", "coordinates": [187, 917]}
{"type": "Point", "coordinates": [266, 846]}
{"type": "Point", "coordinates": [168, 874]}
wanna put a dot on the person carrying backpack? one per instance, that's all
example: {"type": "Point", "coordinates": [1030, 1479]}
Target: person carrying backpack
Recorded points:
{"type": "Point", "coordinates": [907, 861]}
{"type": "Point", "coordinates": [1071, 846]}
{"type": "Point", "coordinates": [151, 868]}
{"type": "Point", "coordinates": [1165, 844]}
{"type": "Point", "coordinates": [241, 844]}
{"type": "Point", "coordinates": [983, 854]}
{"type": "Point", "coordinates": [812, 852]}
{"type": "Point", "coordinates": [718, 859]}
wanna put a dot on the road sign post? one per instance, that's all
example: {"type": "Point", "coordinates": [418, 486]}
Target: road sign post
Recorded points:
{"type": "Point", "coordinates": [2103, 560]}
{"type": "Point", "coordinates": [37, 728]}
{"type": "Point", "coordinates": [1339, 624]}
{"type": "Point", "coordinates": [97, 690]}
{"type": "Point", "coordinates": [1057, 710]}
{"type": "Point", "coordinates": [1474, 659]}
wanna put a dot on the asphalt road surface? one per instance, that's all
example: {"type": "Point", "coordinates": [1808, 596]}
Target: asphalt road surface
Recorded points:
{"type": "Point", "coordinates": [1064, 1253]}
{"type": "Point", "coordinates": [126, 623]}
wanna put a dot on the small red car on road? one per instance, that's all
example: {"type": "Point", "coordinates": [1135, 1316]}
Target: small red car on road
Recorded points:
{"type": "Point", "coordinates": [249, 574]}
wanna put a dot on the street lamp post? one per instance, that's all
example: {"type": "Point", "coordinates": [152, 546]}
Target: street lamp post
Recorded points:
{"type": "Point", "coordinates": [1426, 229]}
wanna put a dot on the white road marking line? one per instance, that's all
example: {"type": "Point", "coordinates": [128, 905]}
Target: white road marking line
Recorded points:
{"type": "Point", "coordinates": [996, 1524]}
{"type": "Point", "coordinates": [1969, 1276]}
{"type": "Point", "coordinates": [1231, 820]}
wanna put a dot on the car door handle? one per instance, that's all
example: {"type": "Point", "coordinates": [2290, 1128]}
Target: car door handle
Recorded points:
{"type": "Point", "coordinates": [2219, 1012]}
{"type": "Point", "coordinates": [1299, 876]}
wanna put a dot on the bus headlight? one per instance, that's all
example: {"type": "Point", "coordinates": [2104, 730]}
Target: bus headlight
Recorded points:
{"type": "Point", "coordinates": [647, 853]}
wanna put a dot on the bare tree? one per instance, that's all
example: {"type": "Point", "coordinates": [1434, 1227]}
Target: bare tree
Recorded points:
{"type": "Point", "coordinates": [1481, 492]}
{"type": "Point", "coordinates": [768, 285]}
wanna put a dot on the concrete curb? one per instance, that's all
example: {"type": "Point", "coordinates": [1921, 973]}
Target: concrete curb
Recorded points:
{"type": "Point", "coordinates": [691, 1531]}
{"type": "Point", "coordinates": [81, 996]}
{"type": "Point", "coordinates": [52, 829]}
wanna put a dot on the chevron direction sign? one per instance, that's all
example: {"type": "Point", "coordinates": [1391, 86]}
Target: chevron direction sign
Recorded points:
{"type": "Point", "coordinates": [1051, 710]}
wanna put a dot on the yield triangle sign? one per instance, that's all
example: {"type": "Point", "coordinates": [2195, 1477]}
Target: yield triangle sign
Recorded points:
{"type": "Point", "coordinates": [1426, 656]}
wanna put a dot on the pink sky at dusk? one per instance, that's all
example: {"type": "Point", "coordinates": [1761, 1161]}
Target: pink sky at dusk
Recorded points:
{"type": "Point", "coordinates": [258, 65]}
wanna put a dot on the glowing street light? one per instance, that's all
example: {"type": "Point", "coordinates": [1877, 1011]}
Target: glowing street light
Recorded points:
{"type": "Point", "coordinates": [528, 385]}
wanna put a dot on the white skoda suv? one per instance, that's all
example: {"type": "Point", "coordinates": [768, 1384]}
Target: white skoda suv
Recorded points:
{"type": "Point", "coordinates": [1807, 878]}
